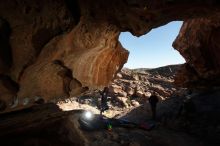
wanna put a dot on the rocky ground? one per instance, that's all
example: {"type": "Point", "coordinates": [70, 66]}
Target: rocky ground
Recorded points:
{"type": "Point", "coordinates": [58, 128]}
{"type": "Point", "coordinates": [129, 90]}
{"type": "Point", "coordinates": [184, 117]}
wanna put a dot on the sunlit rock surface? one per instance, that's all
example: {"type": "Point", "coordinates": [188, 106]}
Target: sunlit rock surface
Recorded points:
{"type": "Point", "coordinates": [50, 53]}
{"type": "Point", "coordinates": [55, 49]}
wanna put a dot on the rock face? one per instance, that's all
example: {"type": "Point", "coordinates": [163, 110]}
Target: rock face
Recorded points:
{"type": "Point", "coordinates": [198, 42]}
{"type": "Point", "coordinates": [195, 113]}
{"type": "Point", "coordinates": [140, 83]}
{"type": "Point", "coordinates": [53, 55]}
{"type": "Point", "coordinates": [58, 48]}
{"type": "Point", "coordinates": [133, 87]}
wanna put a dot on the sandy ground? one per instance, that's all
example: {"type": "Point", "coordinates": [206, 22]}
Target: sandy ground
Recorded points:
{"type": "Point", "coordinates": [112, 112]}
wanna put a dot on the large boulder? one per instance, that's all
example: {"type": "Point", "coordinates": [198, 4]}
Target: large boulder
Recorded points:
{"type": "Point", "coordinates": [123, 101]}
{"type": "Point", "coordinates": [160, 90]}
{"type": "Point", "coordinates": [139, 93]}
{"type": "Point", "coordinates": [130, 91]}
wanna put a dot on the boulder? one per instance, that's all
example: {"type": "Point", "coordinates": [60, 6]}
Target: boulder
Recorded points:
{"type": "Point", "coordinates": [115, 89]}
{"type": "Point", "coordinates": [122, 93]}
{"type": "Point", "coordinates": [135, 103]}
{"type": "Point", "coordinates": [130, 91]}
{"type": "Point", "coordinates": [147, 94]}
{"type": "Point", "coordinates": [160, 90]}
{"type": "Point", "coordinates": [139, 93]}
{"type": "Point", "coordinates": [123, 101]}
{"type": "Point", "coordinates": [135, 77]}
{"type": "Point", "coordinates": [118, 75]}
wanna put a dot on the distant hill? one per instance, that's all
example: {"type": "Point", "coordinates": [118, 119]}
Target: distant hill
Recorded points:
{"type": "Point", "coordinates": [165, 71]}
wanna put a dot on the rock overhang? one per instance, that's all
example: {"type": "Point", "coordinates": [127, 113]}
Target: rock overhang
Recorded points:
{"type": "Point", "coordinates": [59, 48]}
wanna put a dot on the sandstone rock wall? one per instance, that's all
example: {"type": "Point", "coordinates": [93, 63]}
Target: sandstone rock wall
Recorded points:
{"type": "Point", "coordinates": [57, 48]}
{"type": "Point", "coordinates": [53, 55]}
{"type": "Point", "coordinates": [198, 43]}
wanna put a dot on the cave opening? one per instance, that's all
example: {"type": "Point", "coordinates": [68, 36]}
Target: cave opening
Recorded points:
{"type": "Point", "coordinates": [153, 49]}
{"type": "Point", "coordinates": [55, 49]}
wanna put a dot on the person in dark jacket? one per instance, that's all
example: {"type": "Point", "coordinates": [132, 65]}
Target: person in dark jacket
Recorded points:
{"type": "Point", "coordinates": [104, 97]}
{"type": "Point", "coordinates": [153, 100]}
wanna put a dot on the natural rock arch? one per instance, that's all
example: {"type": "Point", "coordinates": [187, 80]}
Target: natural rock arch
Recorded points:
{"type": "Point", "coordinates": [59, 48]}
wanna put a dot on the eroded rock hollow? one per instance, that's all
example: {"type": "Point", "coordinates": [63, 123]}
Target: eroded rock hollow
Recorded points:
{"type": "Point", "coordinates": [58, 48]}
{"type": "Point", "coordinates": [198, 42]}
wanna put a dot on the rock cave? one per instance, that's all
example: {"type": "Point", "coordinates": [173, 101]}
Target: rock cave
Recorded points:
{"type": "Point", "coordinates": [57, 49]}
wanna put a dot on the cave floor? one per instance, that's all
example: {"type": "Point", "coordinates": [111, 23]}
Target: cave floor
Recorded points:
{"type": "Point", "coordinates": [52, 126]}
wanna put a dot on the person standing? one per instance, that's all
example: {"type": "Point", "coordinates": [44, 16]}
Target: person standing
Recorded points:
{"type": "Point", "coordinates": [153, 100]}
{"type": "Point", "coordinates": [104, 97]}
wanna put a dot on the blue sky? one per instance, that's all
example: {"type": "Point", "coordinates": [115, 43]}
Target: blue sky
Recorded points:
{"type": "Point", "coordinates": [153, 49]}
